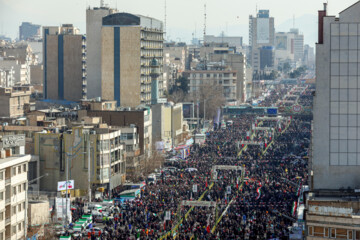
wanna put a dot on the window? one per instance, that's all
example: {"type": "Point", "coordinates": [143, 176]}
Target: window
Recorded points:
{"type": "Point", "coordinates": [14, 171]}
{"type": "Point", "coordinates": [129, 148]}
{"type": "Point", "coordinates": [14, 191]}
{"type": "Point", "coordinates": [19, 207]}
{"type": "Point", "coordinates": [357, 235]}
{"type": "Point", "coordinates": [24, 186]}
{"type": "Point", "coordinates": [13, 229]}
{"type": "Point", "coordinates": [19, 169]}
{"type": "Point", "coordinates": [310, 230]}
{"type": "Point", "coordinates": [19, 188]}
{"type": "Point", "coordinates": [1, 175]}
{"type": "Point", "coordinates": [1, 216]}
{"type": "Point", "coordinates": [208, 75]}
{"type": "Point", "coordinates": [13, 210]}
{"type": "Point", "coordinates": [23, 205]}
{"type": "Point", "coordinates": [319, 231]}
{"type": "Point", "coordinates": [1, 196]}
{"type": "Point", "coordinates": [24, 167]}
{"type": "Point", "coordinates": [19, 227]}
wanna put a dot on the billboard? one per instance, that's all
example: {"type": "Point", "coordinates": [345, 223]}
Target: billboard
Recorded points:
{"type": "Point", "coordinates": [62, 185]}
{"type": "Point", "coordinates": [187, 110]}
{"type": "Point", "coordinates": [281, 42]}
{"type": "Point", "coordinates": [263, 31]}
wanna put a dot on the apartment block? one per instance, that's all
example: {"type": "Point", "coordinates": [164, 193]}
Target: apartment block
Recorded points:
{"type": "Point", "coordinates": [129, 43]}
{"type": "Point", "coordinates": [13, 100]}
{"type": "Point", "coordinates": [64, 63]}
{"type": "Point", "coordinates": [13, 187]}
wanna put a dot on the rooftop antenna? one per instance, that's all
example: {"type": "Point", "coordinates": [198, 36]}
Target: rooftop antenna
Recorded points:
{"type": "Point", "coordinates": [204, 23]}
{"type": "Point", "coordinates": [165, 21]}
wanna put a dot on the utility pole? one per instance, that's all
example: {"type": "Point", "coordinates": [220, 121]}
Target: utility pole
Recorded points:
{"type": "Point", "coordinates": [66, 192]}
{"type": "Point", "coordinates": [204, 112]}
{"type": "Point", "coordinates": [89, 166]}
{"type": "Point", "coordinates": [197, 108]}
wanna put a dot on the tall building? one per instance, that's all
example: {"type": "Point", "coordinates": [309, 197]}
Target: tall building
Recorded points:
{"type": "Point", "coordinates": [298, 45]}
{"type": "Point", "coordinates": [27, 30]}
{"type": "Point", "coordinates": [309, 56]}
{"type": "Point", "coordinates": [261, 34]}
{"type": "Point", "coordinates": [13, 101]}
{"type": "Point", "coordinates": [129, 43]}
{"type": "Point", "coordinates": [336, 135]}
{"type": "Point", "coordinates": [233, 41]}
{"type": "Point", "coordinates": [64, 63]}
{"type": "Point", "coordinates": [13, 187]}
{"type": "Point", "coordinates": [94, 18]}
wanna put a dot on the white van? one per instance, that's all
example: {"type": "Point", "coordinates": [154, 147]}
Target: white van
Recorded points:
{"type": "Point", "coordinates": [151, 179]}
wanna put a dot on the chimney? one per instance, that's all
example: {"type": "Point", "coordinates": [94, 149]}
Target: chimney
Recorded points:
{"type": "Point", "coordinates": [322, 14]}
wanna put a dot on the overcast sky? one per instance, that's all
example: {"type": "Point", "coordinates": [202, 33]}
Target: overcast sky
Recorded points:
{"type": "Point", "coordinates": [183, 16]}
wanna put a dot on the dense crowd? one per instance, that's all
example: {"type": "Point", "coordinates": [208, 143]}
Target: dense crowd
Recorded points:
{"type": "Point", "coordinates": [249, 204]}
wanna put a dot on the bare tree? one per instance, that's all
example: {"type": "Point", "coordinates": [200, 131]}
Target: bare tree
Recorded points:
{"type": "Point", "coordinates": [212, 95]}
{"type": "Point", "coordinates": [177, 96]}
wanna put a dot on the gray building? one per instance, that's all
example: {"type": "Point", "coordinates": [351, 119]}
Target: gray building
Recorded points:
{"type": "Point", "coordinates": [94, 18]}
{"type": "Point", "coordinates": [64, 63]}
{"type": "Point", "coordinates": [336, 135]}
{"type": "Point", "coordinates": [28, 30]}
{"type": "Point", "coordinates": [261, 34]}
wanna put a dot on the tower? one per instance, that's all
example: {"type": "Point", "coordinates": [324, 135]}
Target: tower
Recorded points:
{"type": "Point", "coordinates": [155, 73]}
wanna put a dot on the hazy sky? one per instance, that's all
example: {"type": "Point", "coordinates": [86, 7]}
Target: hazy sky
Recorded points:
{"type": "Point", "coordinates": [183, 16]}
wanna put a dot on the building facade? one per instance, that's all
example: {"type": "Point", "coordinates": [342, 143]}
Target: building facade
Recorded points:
{"type": "Point", "coordinates": [336, 135]}
{"type": "Point", "coordinates": [94, 18]}
{"type": "Point", "coordinates": [68, 151]}
{"type": "Point", "coordinates": [129, 43]}
{"type": "Point", "coordinates": [64, 64]}
{"type": "Point", "coordinates": [13, 187]}
{"type": "Point", "coordinates": [261, 34]}
{"type": "Point", "coordinates": [13, 100]}
{"type": "Point", "coordinates": [227, 79]}
{"type": "Point", "coordinates": [28, 30]}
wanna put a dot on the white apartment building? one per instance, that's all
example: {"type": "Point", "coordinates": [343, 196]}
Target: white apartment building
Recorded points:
{"type": "Point", "coordinates": [13, 187]}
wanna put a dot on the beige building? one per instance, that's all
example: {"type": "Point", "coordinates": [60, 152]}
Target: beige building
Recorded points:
{"type": "Point", "coordinates": [168, 125]}
{"type": "Point", "coordinates": [174, 62]}
{"type": "Point", "coordinates": [227, 79]}
{"type": "Point", "coordinates": [333, 217]}
{"type": "Point", "coordinates": [13, 100]}
{"type": "Point", "coordinates": [59, 151]}
{"type": "Point", "coordinates": [64, 59]}
{"type": "Point", "coordinates": [13, 187]}
{"type": "Point", "coordinates": [129, 43]}
{"type": "Point", "coordinates": [94, 18]}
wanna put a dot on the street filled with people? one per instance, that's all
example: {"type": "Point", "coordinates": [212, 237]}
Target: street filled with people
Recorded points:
{"type": "Point", "coordinates": [246, 179]}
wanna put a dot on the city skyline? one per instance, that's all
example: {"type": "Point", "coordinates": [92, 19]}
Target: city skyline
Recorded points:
{"type": "Point", "coordinates": [234, 20]}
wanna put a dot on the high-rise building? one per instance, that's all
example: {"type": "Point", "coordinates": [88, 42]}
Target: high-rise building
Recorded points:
{"type": "Point", "coordinates": [64, 63]}
{"type": "Point", "coordinates": [28, 30]}
{"type": "Point", "coordinates": [298, 45]}
{"type": "Point", "coordinates": [94, 18]}
{"type": "Point", "coordinates": [261, 34]}
{"type": "Point", "coordinates": [336, 135]}
{"type": "Point", "coordinates": [309, 56]}
{"type": "Point", "coordinates": [129, 43]}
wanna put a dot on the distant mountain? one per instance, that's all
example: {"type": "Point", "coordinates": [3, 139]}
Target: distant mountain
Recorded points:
{"type": "Point", "coordinates": [307, 24]}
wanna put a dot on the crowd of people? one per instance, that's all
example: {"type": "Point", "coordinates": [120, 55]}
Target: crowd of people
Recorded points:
{"type": "Point", "coordinates": [255, 202]}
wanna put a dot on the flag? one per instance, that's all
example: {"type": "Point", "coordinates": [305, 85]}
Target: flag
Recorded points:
{"type": "Point", "coordinates": [299, 190]}
{"type": "Point", "coordinates": [258, 190]}
{"type": "Point", "coordinates": [293, 210]}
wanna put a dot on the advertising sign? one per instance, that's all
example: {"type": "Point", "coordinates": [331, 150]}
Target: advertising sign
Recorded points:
{"type": "Point", "coordinates": [62, 185]}
{"type": "Point", "coordinates": [194, 188]}
{"type": "Point", "coordinates": [281, 42]}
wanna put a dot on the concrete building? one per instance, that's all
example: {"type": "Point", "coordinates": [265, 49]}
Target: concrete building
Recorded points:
{"type": "Point", "coordinates": [64, 64]}
{"type": "Point", "coordinates": [94, 18]}
{"type": "Point", "coordinates": [227, 79]}
{"type": "Point", "coordinates": [27, 30]}
{"type": "Point", "coordinates": [298, 45]}
{"type": "Point", "coordinates": [141, 117]}
{"type": "Point", "coordinates": [336, 135]}
{"type": "Point", "coordinates": [13, 100]}
{"type": "Point", "coordinates": [236, 62]}
{"type": "Point", "coordinates": [261, 34]}
{"type": "Point", "coordinates": [168, 126]}
{"type": "Point", "coordinates": [129, 43]}
{"type": "Point", "coordinates": [13, 187]}
{"type": "Point", "coordinates": [107, 156]}
{"type": "Point", "coordinates": [309, 57]}
{"type": "Point", "coordinates": [232, 41]}
{"type": "Point", "coordinates": [174, 62]}
{"type": "Point", "coordinates": [333, 217]}
{"type": "Point", "coordinates": [284, 48]}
